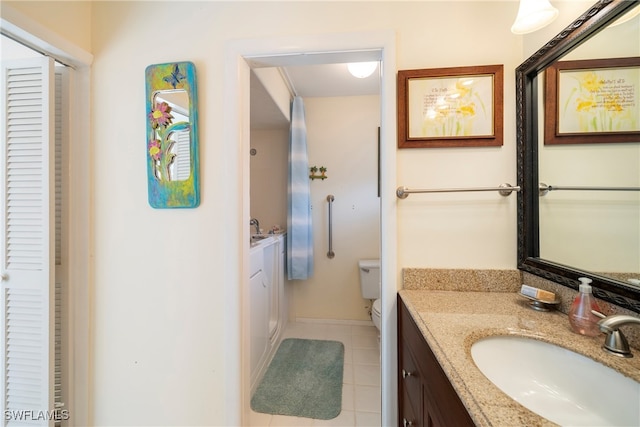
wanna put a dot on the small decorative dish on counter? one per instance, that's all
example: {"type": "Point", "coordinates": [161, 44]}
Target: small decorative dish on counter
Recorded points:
{"type": "Point", "coordinates": [542, 305]}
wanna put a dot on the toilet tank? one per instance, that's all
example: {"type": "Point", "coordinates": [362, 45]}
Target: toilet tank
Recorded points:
{"type": "Point", "coordinates": [369, 278]}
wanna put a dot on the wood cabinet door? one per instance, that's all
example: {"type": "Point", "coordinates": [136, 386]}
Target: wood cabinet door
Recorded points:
{"type": "Point", "coordinates": [440, 405]}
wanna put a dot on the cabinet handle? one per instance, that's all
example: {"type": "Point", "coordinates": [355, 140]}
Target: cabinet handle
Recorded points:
{"type": "Point", "coordinates": [406, 423]}
{"type": "Point", "coordinates": [406, 374]}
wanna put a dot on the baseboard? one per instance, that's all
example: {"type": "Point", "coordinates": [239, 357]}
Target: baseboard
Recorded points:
{"type": "Point", "coordinates": [335, 321]}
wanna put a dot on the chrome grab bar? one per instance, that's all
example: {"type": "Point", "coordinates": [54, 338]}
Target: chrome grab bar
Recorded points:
{"type": "Point", "coordinates": [330, 254]}
{"type": "Point", "coordinates": [504, 190]}
{"type": "Point", "coordinates": [544, 188]}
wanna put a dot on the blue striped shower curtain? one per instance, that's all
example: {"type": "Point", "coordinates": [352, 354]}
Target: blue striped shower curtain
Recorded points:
{"type": "Point", "coordinates": [299, 226]}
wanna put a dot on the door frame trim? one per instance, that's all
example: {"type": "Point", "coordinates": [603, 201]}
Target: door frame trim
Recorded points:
{"type": "Point", "coordinates": [236, 98]}
{"type": "Point", "coordinates": [22, 28]}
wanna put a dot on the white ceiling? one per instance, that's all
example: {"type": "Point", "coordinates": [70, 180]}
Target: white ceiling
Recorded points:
{"type": "Point", "coordinates": [331, 80]}
{"type": "Point", "coordinates": [308, 81]}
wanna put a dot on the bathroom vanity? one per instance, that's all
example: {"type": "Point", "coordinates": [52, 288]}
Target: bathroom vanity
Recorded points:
{"type": "Point", "coordinates": [426, 397]}
{"type": "Point", "coordinates": [438, 382]}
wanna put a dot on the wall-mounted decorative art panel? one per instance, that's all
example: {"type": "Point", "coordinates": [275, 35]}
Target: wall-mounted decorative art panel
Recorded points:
{"type": "Point", "coordinates": [172, 135]}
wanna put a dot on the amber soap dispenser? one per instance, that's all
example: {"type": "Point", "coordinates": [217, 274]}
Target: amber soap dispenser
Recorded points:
{"type": "Point", "coordinates": [580, 317]}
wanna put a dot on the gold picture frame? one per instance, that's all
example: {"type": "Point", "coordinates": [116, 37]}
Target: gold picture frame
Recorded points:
{"type": "Point", "coordinates": [451, 107]}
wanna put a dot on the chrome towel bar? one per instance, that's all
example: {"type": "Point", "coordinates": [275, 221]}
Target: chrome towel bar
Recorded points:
{"type": "Point", "coordinates": [544, 188]}
{"type": "Point", "coordinates": [504, 190]}
{"type": "Point", "coordinates": [330, 254]}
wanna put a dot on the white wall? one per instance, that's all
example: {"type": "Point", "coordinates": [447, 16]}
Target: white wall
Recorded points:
{"type": "Point", "coordinates": [71, 20]}
{"type": "Point", "coordinates": [164, 297]}
{"type": "Point", "coordinates": [460, 230]}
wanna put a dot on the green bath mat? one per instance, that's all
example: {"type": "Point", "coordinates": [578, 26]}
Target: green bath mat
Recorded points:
{"type": "Point", "coordinates": [303, 380]}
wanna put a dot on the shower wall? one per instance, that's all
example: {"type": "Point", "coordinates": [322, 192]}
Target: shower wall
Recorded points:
{"type": "Point", "coordinates": [342, 135]}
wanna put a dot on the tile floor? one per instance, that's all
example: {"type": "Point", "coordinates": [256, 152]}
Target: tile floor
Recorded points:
{"type": "Point", "coordinates": [361, 386]}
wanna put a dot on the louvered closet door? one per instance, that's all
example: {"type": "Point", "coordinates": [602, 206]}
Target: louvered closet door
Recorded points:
{"type": "Point", "coordinates": [27, 264]}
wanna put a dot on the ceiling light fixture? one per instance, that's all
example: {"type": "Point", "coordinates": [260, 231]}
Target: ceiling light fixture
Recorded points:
{"type": "Point", "coordinates": [533, 15]}
{"type": "Point", "coordinates": [362, 69]}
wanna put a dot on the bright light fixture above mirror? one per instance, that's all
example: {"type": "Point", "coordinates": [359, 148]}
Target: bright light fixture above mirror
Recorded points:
{"type": "Point", "coordinates": [362, 69]}
{"type": "Point", "coordinates": [533, 15]}
{"type": "Point", "coordinates": [626, 17]}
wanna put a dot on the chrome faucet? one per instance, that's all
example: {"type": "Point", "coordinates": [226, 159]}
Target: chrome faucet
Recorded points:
{"type": "Point", "coordinates": [255, 222]}
{"type": "Point", "coordinates": [615, 342]}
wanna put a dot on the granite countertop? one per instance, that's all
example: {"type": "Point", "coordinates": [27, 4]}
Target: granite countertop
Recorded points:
{"type": "Point", "coordinates": [452, 321]}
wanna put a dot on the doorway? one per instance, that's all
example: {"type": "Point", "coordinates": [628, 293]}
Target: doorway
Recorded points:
{"type": "Point", "coordinates": [245, 54]}
{"type": "Point", "coordinates": [342, 139]}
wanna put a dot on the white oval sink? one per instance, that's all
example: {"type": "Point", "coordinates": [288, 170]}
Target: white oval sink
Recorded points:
{"type": "Point", "coordinates": [560, 385]}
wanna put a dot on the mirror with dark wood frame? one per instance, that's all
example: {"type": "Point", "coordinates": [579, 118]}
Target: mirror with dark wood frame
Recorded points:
{"type": "Point", "coordinates": [530, 98]}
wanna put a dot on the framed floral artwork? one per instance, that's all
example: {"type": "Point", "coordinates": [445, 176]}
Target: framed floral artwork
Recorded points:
{"type": "Point", "coordinates": [592, 101]}
{"type": "Point", "coordinates": [450, 107]}
{"type": "Point", "coordinates": [172, 135]}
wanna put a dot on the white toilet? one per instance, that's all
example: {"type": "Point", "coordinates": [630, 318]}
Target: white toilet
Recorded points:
{"type": "Point", "coordinates": [370, 286]}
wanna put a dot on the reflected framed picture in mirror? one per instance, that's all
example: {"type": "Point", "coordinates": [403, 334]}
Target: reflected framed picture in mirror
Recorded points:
{"type": "Point", "coordinates": [592, 101]}
{"type": "Point", "coordinates": [172, 135]}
